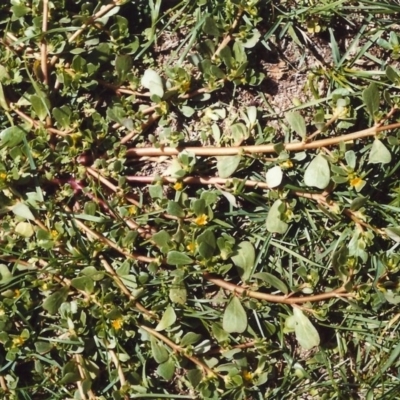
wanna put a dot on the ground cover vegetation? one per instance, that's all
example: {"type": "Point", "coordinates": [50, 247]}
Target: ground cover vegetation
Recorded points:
{"type": "Point", "coordinates": [199, 199]}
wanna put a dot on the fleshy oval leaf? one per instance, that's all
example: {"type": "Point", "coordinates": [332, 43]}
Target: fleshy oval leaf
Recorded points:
{"type": "Point", "coordinates": [306, 334]}
{"type": "Point", "coordinates": [318, 173]}
{"type": "Point", "coordinates": [379, 154]}
{"type": "Point", "coordinates": [235, 318]}
{"type": "Point", "coordinates": [274, 176]}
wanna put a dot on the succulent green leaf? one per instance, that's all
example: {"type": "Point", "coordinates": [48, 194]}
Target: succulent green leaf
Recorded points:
{"type": "Point", "coordinates": [392, 74]}
{"type": "Point", "coordinates": [318, 173]}
{"type": "Point", "coordinates": [39, 106]}
{"type": "Point", "coordinates": [175, 209]}
{"type": "Point", "coordinates": [161, 238]}
{"type": "Point", "coordinates": [275, 224]}
{"type": "Point", "coordinates": [177, 258]}
{"type": "Point", "coordinates": [244, 259]}
{"type": "Point", "coordinates": [123, 64]}
{"type": "Point", "coordinates": [63, 116]}
{"type": "Point", "coordinates": [5, 274]}
{"type": "Point", "coordinates": [251, 40]}
{"type": "Point", "coordinates": [379, 154]}
{"type": "Point", "coordinates": [3, 100]}
{"type": "Point", "coordinates": [393, 232]}
{"type": "Point", "coordinates": [210, 27]}
{"type": "Point", "coordinates": [297, 123]}
{"type": "Point", "coordinates": [84, 283]}
{"type": "Point", "coordinates": [24, 229]}
{"type": "Point", "coordinates": [168, 319]}
{"type": "Point", "coordinates": [351, 158]}
{"type": "Point", "coordinates": [272, 280]}
{"type": "Point", "coordinates": [23, 211]}
{"type": "Point", "coordinates": [167, 369]}
{"type": "Point", "coordinates": [206, 244]}
{"type": "Point", "coordinates": [152, 80]}
{"type": "Point", "coordinates": [43, 347]}
{"type": "Point", "coordinates": [227, 165]}
{"type": "Point", "coordinates": [371, 99]}
{"type": "Point", "coordinates": [178, 291]}
{"type": "Point", "coordinates": [190, 338]}
{"type": "Point", "coordinates": [274, 176]}
{"type": "Point", "coordinates": [11, 136]}
{"type": "Point", "coordinates": [239, 132]}
{"type": "Point", "coordinates": [54, 301]}
{"type": "Point", "coordinates": [235, 318]}
{"type": "Point", "coordinates": [159, 352]}
{"type": "Point", "coordinates": [306, 334]}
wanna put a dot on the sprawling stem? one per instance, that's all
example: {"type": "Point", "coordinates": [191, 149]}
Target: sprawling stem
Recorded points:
{"type": "Point", "coordinates": [265, 148]}
{"type": "Point", "coordinates": [338, 293]}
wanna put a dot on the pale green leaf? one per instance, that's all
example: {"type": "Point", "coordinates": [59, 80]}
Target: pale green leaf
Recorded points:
{"type": "Point", "coordinates": [306, 334]}
{"type": "Point", "coordinates": [227, 165]}
{"type": "Point", "coordinates": [63, 116]}
{"type": "Point", "coordinates": [391, 297]}
{"type": "Point", "coordinates": [251, 112]}
{"type": "Point", "coordinates": [274, 176]}
{"type": "Point", "coordinates": [3, 100]}
{"type": "Point", "coordinates": [177, 291]}
{"type": "Point", "coordinates": [152, 81]}
{"type": "Point", "coordinates": [318, 173]}
{"type": "Point", "coordinates": [190, 338]}
{"type": "Point", "coordinates": [393, 232]}
{"type": "Point", "coordinates": [272, 280]}
{"type": "Point", "coordinates": [84, 283]}
{"type": "Point", "coordinates": [12, 136]}
{"type": "Point", "coordinates": [230, 197]}
{"type": "Point", "coordinates": [275, 224]}
{"type": "Point", "coordinates": [244, 258]}
{"type": "Point", "coordinates": [206, 244]}
{"type": "Point", "coordinates": [5, 274]}
{"type": "Point", "coordinates": [123, 65]}
{"type": "Point", "coordinates": [161, 238]}
{"type": "Point", "coordinates": [379, 154]}
{"type": "Point", "coordinates": [167, 319]}
{"type": "Point", "coordinates": [159, 352]}
{"type": "Point", "coordinates": [54, 301]}
{"type": "Point", "coordinates": [24, 229]}
{"type": "Point", "coordinates": [235, 318]}
{"type": "Point", "coordinates": [371, 99]}
{"type": "Point", "coordinates": [297, 123]}
{"type": "Point", "coordinates": [22, 210]}
{"type": "Point", "coordinates": [239, 133]}
{"type": "Point", "coordinates": [251, 40]}
{"type": "Point", "coordinates": [175, 209]}
{"type": "Point", "coordinates": [39, 106]}
{"type": "Point", "coordinates": [177, 258]}
{"type": "Point", "coordinates": [167, 369]}
{"type": "Point", "coordinates": [210, 27]}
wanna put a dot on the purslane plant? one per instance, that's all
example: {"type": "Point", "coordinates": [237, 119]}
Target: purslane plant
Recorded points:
{"type": "Point", "coordinates": [163, 238]}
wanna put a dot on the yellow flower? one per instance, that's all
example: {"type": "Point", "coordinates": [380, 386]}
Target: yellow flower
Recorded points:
{"type": "Point", "coordinates": [247, 376]}
{"type": "Point", "coordinates": [313, 26]}
{"type": "Point", "coordinates": [287, 164]}
{"type": "Point", "coordinates": [54, 234]}
{"type": "Point", "coordinates": [357, 183]}
{"type": "Point", "coordinates": [178, 186]}
{"type": "Point", "coordinates": [132, 210]}
{"type": "Point", "coordinates": [117, 323]}
{"type": "Point", "coordinates": [17, 293]}
{"type": "Point", "coordinates": [288, 215]}
{"type": "Point", "coordinates": [18, 341]}
{"type": "Point", "coordinates": [192, 247]}
{"type": "Point", "coordinates": [3, 176]}
{"type": "Point", "coordinates": [201, 220]}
